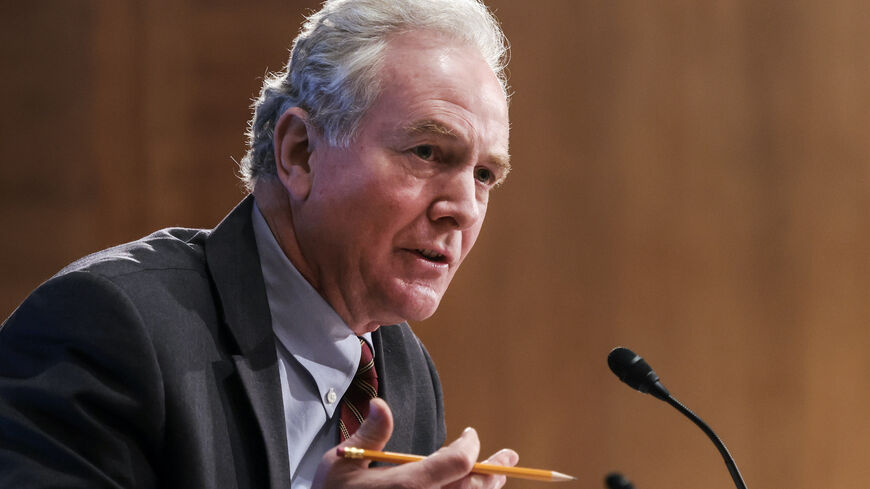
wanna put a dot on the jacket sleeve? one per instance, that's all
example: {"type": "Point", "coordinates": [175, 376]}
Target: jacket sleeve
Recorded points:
{"type": "Point", "coordinates": [81, 402]}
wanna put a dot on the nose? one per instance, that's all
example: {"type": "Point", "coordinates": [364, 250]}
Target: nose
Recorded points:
{"type": "Point", "coordinates": [458, 202]}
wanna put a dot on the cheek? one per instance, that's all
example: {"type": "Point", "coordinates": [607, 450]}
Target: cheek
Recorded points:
{"type": "Point", "coordinates": [469, 237]}
{"type": "Point", "coordinates": [398, 202]}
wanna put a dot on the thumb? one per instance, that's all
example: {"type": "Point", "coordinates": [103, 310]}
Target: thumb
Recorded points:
{"type": "Point", "coordinates": [375, 431]}
{"type": "Point", "coordinates": [372, 434]}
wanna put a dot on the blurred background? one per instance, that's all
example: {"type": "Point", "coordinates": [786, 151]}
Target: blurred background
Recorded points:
{"type": "Point", "coordinates": [691, 180]}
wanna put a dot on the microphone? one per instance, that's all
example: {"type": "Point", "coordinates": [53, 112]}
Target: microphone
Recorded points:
{"type": "Point", "coordinates": [615, 480]}
{"type": "Point", "coordinates": [634, 371]}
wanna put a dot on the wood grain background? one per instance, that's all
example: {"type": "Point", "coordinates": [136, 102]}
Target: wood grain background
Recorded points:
{"type": "Point", "coordinates": [692, 180]}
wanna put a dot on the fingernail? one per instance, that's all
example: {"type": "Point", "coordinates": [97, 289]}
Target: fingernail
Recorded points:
{"type": "Point", "coordinates": [375, 412]}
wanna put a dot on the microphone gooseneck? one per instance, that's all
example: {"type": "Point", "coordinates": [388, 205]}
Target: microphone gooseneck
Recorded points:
{"type": "Point", "coordinates": [634, 371]}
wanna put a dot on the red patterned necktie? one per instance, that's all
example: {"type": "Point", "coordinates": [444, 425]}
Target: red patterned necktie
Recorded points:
{"type": "Point", "coordinates": [355, 403]}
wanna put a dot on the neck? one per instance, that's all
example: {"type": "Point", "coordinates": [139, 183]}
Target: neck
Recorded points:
{"type": "Point", "coordinates": [275, 205]}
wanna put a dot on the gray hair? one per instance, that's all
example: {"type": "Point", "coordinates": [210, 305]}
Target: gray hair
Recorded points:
{"type": "Point", "coordinates": [335, 63]}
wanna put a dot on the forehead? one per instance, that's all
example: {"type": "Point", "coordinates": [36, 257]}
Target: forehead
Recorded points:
{"type": "Point", "coordinates": [431, 81]}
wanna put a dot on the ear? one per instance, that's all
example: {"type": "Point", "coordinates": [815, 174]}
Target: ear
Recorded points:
{"type": "Point", "coordinates": [292, 143]}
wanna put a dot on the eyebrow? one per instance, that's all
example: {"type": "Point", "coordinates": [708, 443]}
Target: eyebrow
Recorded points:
{"type": "Point", "coordinates": [502, 160]}
{"type": "Point", "coordinates": [430, 127]}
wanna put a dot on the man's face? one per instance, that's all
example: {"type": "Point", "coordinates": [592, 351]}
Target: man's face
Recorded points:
{"type": "Point", "coordinates": [389, 219]}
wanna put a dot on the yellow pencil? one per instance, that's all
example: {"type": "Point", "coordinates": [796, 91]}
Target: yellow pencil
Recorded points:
{"type": "Point", "coordinates": [402, 458]}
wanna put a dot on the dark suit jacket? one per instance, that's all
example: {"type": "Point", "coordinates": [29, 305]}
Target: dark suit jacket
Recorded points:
{"type": "Point", "coordinates": [153, 364]}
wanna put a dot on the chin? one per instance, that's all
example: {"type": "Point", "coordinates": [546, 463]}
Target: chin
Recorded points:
{"type": "Point", "coordinates": [417, 303]}
{"type": "Point", "coordinates": [421, 314]}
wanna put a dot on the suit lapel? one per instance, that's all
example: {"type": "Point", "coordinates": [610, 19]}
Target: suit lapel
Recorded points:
{"type": "Point", "coordinates": [391, 364]}
{"type": "Point", "coordinates": [231, 253]}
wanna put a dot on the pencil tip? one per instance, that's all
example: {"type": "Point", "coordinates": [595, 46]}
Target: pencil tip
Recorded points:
{"type": "Point", "coordinates": [559, 477]}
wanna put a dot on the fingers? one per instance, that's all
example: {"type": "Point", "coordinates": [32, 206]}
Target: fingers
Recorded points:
{"type": "Point", "coordinates": [449, 467]}
{"type": "Point", "coordinates": [448, 464]}
{"type": "Point", "coordinates": [505, 457]}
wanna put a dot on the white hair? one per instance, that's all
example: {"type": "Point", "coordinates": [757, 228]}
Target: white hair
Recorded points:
{"type": "Point", "coordinates": [335, 64]}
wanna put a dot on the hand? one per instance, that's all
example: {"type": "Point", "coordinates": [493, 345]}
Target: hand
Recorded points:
{"type": "Point", "coordinates": [449, 467]}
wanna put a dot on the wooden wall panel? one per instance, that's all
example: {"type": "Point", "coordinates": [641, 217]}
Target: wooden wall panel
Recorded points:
{"type": "Point", "coordinates": [691, 180]}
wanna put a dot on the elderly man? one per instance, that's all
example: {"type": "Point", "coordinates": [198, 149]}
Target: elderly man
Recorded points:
{"type": "Point", "coordinates": [241, 356]}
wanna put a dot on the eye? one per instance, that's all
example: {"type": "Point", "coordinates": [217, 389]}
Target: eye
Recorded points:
{"type": "Point", "coordinates": [484, 175]}
{"type": "Point", "coordinates": [424, 152]}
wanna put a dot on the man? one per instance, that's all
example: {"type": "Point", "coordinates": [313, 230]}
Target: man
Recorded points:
{"type": "Point", "coordinates": [226, 358]}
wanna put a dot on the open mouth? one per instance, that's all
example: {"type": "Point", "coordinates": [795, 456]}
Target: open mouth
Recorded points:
{"type": "Point", "coordinates": [432, 256]}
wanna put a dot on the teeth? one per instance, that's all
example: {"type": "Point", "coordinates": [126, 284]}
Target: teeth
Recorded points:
{"type": "Point", "coordinates": [432, 255]}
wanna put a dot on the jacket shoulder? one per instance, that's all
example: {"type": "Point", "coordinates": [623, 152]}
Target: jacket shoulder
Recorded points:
{"type": "Point", "coordinates": [167, 249]}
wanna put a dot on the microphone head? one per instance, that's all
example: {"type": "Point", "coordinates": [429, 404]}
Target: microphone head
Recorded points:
{"type": "Point", "coordinates": [634, 371]}
{"type": "Point", "coordinates": [615, 480]}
